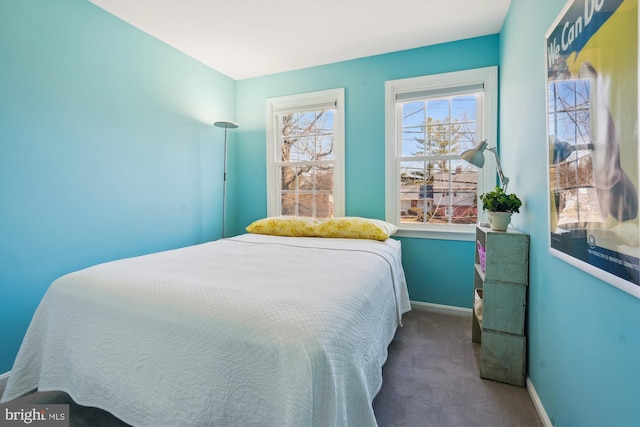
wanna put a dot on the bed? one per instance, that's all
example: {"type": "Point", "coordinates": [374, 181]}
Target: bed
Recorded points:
{"type": "Point", "coordinates": [250, 330]}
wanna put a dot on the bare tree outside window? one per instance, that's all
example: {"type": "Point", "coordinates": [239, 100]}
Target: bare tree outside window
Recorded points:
{"type": "Point", "coordinates": [306, 166]}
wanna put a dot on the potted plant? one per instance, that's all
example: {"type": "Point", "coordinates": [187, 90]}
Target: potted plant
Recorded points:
{"type": "Point", "coordinates": [500, 207]}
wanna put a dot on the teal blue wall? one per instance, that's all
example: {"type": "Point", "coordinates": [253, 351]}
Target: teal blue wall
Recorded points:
{"type": "Point", "coordinates": [437, 271]}
{"type": "Point", "coordinates": [106, 149]}
{"type": "Point", "coordinates": [584, 334]}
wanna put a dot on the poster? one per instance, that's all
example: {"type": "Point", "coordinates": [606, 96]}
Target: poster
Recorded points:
{"type": "Point", "coordinates": [592, 129]}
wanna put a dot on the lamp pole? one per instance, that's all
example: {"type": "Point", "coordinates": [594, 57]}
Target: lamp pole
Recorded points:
{"type": "Point", "coordinates": [225, 125]}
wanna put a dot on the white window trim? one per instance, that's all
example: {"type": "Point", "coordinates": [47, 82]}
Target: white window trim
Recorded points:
{"type": "Point", "coordinates": [489, 124]}
{"type": "Point", "coordinates": [301, 102]}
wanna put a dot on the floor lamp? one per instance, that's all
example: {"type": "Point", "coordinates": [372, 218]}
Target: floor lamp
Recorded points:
{"type": "Point", "coordinates": [225, 125]}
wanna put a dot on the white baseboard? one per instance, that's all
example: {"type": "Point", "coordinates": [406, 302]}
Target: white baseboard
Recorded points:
{"type": "Point", "coordinates": [4, 376]}
{"type": "Point", "coordinates": [546, 421]}
{"type": "Point", "coordinates": [449, 309]}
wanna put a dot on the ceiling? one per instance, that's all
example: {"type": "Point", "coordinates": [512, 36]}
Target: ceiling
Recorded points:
{"type": "Point", "coordinates": [250, 38]}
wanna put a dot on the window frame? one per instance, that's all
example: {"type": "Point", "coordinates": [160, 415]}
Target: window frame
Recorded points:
{"type": "Point", "coordinates": [299, 103]}
{"type": "Point", "coordinates": [447, 83]}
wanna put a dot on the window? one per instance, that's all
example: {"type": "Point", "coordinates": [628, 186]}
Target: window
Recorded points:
{"type": "Point", "coordinates": [305, 155]}
{"type": "Point", "coordinates": [430, 121]}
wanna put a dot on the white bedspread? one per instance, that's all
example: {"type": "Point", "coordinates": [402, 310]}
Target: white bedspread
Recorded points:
{"type": "Point", "coordinates": [223, 334]}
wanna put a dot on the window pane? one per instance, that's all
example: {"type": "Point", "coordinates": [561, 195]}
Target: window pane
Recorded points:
{"type": "Point", "coordinates": [324, 148]}
{"type": "Point", "coordinates": [324, 205]}
{"type": "Point", "coordinates": [288, 204]}
{"type": "Point", "coordinates": [306, 122]}
{"type": "Point", "coordinates": [443, 192]}
{"type": "Point", "coordinates": [324, 135]}
{"type": "Point", "coordinates": [304, 149]}
{"type": "Point", "coordinates": [464, 197]}
{"type": "Point", "coordinates": [413, 117]}
{"type": "Point", "coordinates": [288, 134]}
{"type": "Point", "coordinates": [293, 125]}
{"type": "Point", "coordinates": [465, 138]}
{"type": "Point", "coordinates": [416, 192]}
{"type": "Point", "coordinates": [306, 204]}
{"type": "Point", "coordinates": [463, 108]}
{"type": "Point", "coordinates": [297, 204]}
{"type": "Point", "coordinates": [289, 178]}
{"type": "Point", "coordinates": [324, 178]}
{"type": "Point", "coordinates": [306, 178]}
{"type": "Point", "coordinates": [437, 140]}
{"type": "Point", "coordinates": [439, 110]}
{"type": "Point", "coordinates": [286, 149]}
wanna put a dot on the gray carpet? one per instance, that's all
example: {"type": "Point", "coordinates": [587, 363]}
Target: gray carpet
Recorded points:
{"type": "Point", "coordinates": [430, 380]}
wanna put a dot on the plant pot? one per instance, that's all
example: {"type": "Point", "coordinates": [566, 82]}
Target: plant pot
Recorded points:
{"type": "Point", "coordinates": [499, 221]}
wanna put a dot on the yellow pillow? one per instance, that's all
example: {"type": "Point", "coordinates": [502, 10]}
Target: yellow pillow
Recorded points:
{"type": "Point", "coordinates": [355, 228]}
{"type": "Point", "coordinates": [284, 226]}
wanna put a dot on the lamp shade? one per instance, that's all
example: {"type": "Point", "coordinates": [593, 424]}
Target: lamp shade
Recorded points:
{"type": "Point", "coordinates": [225, 124]}
{"type": "Point", "coordinates": [475, 156]}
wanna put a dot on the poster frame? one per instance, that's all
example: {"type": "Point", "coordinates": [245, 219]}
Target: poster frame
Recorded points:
{"type": "Point", "coordinates": [579, 246]}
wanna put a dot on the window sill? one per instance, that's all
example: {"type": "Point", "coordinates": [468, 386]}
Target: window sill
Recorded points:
{"type": "Point", "coordinates": [467, 235]}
